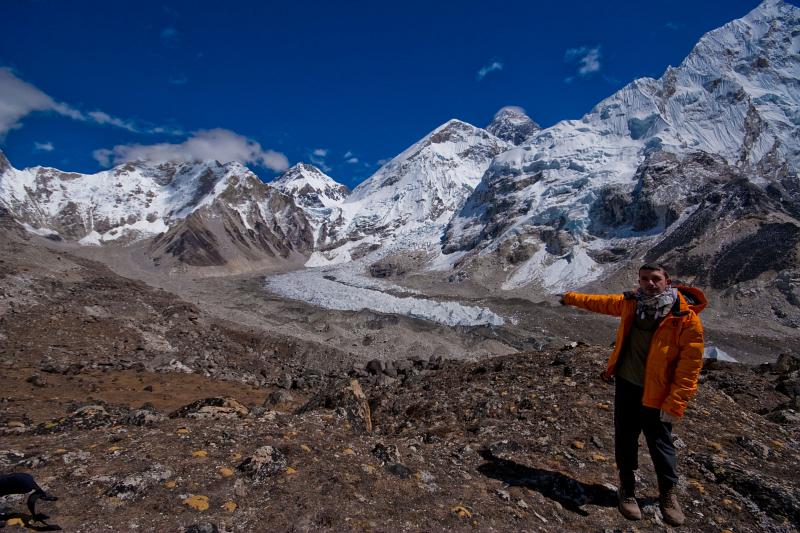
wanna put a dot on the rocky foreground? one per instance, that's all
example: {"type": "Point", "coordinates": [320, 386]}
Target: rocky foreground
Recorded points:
{"type": "Point", "coordinates": [142, 412]}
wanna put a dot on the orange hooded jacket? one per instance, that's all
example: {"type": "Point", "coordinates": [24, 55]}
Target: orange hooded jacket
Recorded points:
{"type": "Point", "coordinates": [676, 350]}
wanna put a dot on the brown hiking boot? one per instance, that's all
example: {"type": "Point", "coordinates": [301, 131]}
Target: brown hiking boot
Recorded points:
{"type": "Point", "coordinates": [628, 505]}
{"type": "Point", "coordinates": [670, 509]}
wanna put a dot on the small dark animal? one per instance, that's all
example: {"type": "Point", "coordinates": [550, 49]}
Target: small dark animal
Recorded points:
{"type": "Point", "coordinates": [19, 483]}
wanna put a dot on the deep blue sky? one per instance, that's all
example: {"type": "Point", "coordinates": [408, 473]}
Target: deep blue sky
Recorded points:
{"type": "Point", "coordinates": [368, 78]}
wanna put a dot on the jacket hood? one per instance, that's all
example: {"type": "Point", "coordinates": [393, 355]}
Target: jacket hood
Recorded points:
{"type": "Point", "coordinates": [693, 298]}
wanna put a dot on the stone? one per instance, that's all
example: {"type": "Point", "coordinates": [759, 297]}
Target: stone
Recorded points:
{"type": "Point", "coordinates": [285, 381]}
{"type": "Point", "coordinates": [143, 417]}
{"type": "Point", "coordinates": [349, 398]}
{"type": "Point", "coordinates": [277, 398]}
{"type": "Point", "coordinates": [135, 485]}
{"type": "Point", "coordinates": [376, 366]}
{"type": "Point", "coordinates": [212, 409]}
{"type": "Point", "coordinates": [265, 462]}
{"type": "Point", "coordinates": [399, 470]}
{"type": "Point", "coordinates": [37, 381]}
{"type": "Point", "coordinates": [385, 380]}
{"type": "Point", "coordinates": [386, 454]}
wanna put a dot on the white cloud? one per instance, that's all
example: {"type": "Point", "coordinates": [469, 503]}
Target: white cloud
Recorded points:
{"type": "Point", "coordinates": [348, 154]}
{"type": "Point", "coordinates": [19, 98]}
{"type": "Point", "coordinates": [353, 160]}
{"type": "Point", "coordinates": [494, 65]}
{"type": "Point", "coordinates": [318, 156]}
{"type": "Point", "coordinates": [219, 144]}
{"type": "Point", "coordinates": [104, 118]}
{"type": "Point", "coordinates": [43, 147]}
{"type": "Point", "coordinates": [382, 162]}
{"type": "Point", "coordinates": [587, 58]}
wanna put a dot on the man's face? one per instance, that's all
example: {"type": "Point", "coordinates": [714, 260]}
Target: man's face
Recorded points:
{"type": "Point", "coordinates": [653, 282]}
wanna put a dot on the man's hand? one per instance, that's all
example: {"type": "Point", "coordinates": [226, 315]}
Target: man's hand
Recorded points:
{"type": "Point", "coordinates": [669, 417]}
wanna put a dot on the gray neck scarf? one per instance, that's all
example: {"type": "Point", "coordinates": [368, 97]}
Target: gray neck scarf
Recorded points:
{"type": "Point", "coordinates": [655, 307]}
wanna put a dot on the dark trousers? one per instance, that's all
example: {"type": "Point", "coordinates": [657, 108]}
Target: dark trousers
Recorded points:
{"type": "Point", "coordinates": [632, 418]}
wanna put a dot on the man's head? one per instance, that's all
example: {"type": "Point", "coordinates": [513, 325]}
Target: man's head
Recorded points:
{"type": "Point", "coordinates": [653, 279]}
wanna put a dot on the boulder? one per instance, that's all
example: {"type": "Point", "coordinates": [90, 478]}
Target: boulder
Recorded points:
{"type": "Point", "coordinates": [265, 462]}
{"type": "Point", "coordinates": [212, 408]}
{"type": "Point", "coordinates": [348, 397]}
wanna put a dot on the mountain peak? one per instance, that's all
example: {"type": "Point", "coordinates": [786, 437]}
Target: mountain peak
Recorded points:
{"type": "Point", "coordinates": [769, 9]}
{"type": "Point", "coordinates": [311, 187]}
{"type": "Point", "coordinates": [512, 125]}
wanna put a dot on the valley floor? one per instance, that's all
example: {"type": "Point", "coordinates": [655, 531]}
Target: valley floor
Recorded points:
{"type": "Point", "coordinates": [214, 404]}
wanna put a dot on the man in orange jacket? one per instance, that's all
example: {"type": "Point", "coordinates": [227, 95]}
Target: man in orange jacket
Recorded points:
{"type": "Point", "coordinates": [656, 361]}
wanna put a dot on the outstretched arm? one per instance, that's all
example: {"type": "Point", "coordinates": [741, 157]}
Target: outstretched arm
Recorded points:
{"type": "Point", "coordinates": [608, 304]}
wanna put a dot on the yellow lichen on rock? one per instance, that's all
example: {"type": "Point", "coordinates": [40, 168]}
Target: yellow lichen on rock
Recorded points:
{"type": "Point", "coordinates": [462, 511]}
{"type": "Point", "coordinates": [230, 506]}
{"type": "Point", "coordinates": [224, 471]}
{"type": "Point", "coordinates": [305, 448]}
{"type": "Point", "coordinates": [290, 470]}
{"type": "Point", "coordinates": [183, 431]}
{"type": "Point", "coordinates": [15, 522]}
{"type": "Point", "coordinates": [200, 453]}
{"type": "Point", "coordinates": [697, 486]}
{"type": "Point", "coordinates": [198, 503]}
{"type": "Point", "coordinates": [170, 484]}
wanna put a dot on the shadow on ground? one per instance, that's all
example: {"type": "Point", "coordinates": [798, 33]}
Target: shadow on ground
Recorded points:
{"type": "Point", "coordinates": [570, 493]}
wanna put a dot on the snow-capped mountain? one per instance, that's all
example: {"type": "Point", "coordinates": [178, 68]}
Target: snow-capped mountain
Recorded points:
{"type": "Point", "coordinates": [736, 96]}
{"type": "Point", "coordinates": [246, 225]}
{"type": "Point", "coordinates": [512, 125]}
{"type": "Point", "coordinates": [410, 199]}
{"type": "Point", "coordinates": [141, 200]}
{"type": "Point", "coordinates": [319, 195]}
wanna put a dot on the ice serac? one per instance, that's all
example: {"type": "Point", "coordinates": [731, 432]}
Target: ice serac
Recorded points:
{"type": "Point", "coordinates": [512, 125]}
{"type": "Point", "coordinates": [547, 206]}
{"type": "Point", "coordinates": [409, 200]}
{"type": "Point", "coordinates": [319, 195]}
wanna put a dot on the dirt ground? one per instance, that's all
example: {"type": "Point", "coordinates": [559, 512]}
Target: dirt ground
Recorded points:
{"type": "Point", "coordinates": [212, 406]}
